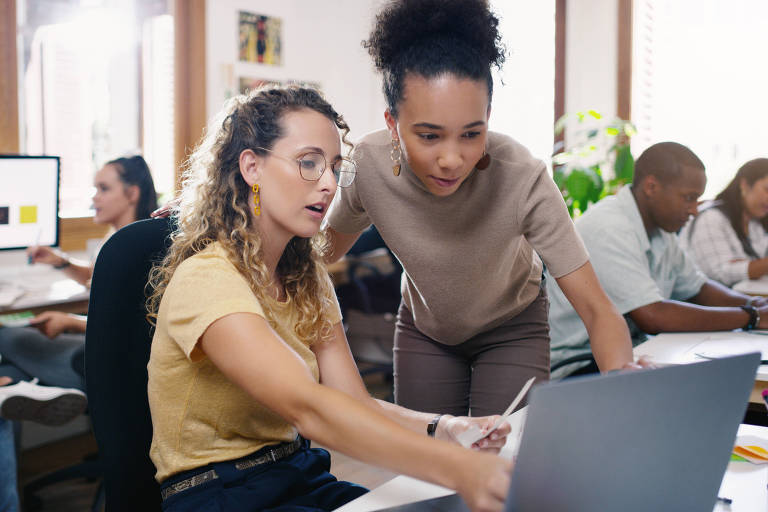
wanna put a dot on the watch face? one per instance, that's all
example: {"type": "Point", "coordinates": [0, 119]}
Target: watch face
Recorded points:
{"type": "Point", "coordinates": [754, 316]}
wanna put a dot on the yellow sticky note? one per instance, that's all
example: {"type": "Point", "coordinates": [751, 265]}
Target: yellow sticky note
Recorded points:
{"type": "Point", "coordinates": [28, 214]}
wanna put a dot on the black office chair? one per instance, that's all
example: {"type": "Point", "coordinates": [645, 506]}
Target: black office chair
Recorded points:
{"type": "Point", "coordinates": [369, 301]}
{"type": "Point", "coordinates": [117, 346]}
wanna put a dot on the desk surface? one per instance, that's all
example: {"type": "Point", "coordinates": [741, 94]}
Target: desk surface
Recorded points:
{"type": "Point", "coordinates": [753, 286]}
{"type": "Point", "coordinates": [40, 287]}
{"type": "Point", "coordinates": [690, 347]}
{"type": "Point", "coordinates": [743, 482]}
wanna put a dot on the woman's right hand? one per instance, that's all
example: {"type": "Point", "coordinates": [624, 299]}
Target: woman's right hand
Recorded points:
{"type": "Point", "coordinates": [53, 323]}
{"type": "Point", "coordinates": [485, 482]}
{"type": "Point", "coordinates": [48, 255]}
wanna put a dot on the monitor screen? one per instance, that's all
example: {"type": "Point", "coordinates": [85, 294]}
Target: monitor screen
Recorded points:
{"type": "Point", "coordinates": [29, 201]}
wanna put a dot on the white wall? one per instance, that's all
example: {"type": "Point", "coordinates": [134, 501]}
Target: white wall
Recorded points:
{"type": "Point", "coordinates": [320, 43]}
{"type": "Point", "coordinates": [523, 105]}
{"type": "Point", "coordinates": [591, 53]}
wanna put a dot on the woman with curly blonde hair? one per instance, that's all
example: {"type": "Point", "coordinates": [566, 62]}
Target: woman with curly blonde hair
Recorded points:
{"type": "Point", "coordinates": [249, 358]}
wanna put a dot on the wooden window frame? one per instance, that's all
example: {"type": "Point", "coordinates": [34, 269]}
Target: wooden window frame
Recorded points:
{"type": "Point", "coordinates": [189, 90]}
{"type": "Point", "coordinates": [624, 61]}
{"type": "Point", "coordinates": [560, 54]}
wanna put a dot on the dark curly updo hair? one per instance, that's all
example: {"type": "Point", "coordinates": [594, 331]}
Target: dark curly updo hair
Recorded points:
{"type": "Point", "coordinates": [434, 37]}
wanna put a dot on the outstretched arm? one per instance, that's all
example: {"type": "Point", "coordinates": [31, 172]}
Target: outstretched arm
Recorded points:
{"type": "Point", "coordinates": [339, 371]}
{"type": "Point", "coordinates": [713, 293]}
{"type": "Point", "coordinates": [608, 333]}
{"type": "Point", "coordinates": [245, 348]}
{"type": "Point", "coordinates": [78, 270]}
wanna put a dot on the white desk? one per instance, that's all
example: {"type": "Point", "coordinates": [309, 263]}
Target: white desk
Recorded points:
{"type": "Point", "coordinates": [743, 482]}
{"type": "Point", "coordinates": [683, 347]}
{"type": "Point", "coordinates": [753, 286]}
{"type": "Point", "coordinates": [40, 286]}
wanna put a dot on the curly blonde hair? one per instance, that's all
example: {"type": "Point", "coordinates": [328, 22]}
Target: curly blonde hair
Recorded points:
{"type": "Point", "coordinates": [214, 207]}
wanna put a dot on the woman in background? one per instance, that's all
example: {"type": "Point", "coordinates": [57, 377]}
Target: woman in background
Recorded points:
{"type": "Point", "coordinates": [249, 349]}
{"type": "Point", "coordinates": [53, 351]}
{"type": "Point", "coordinates": [729, 237]}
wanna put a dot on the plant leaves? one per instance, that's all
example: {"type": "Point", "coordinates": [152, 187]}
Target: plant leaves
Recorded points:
{"type": "Point", "coordinates": [624, 168]}
{"type": "Point", "coordinates": [580, 184]}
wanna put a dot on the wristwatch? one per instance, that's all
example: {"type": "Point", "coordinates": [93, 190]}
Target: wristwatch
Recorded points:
{"type": "Point", "coordinates": [432, 426]}
{"type": "Point", "coordinates": [63, 264]}
{"type": "Point", "coordinates": [754, 317]}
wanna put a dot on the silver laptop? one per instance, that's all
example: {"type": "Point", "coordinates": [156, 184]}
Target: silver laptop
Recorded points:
{"type": "Point", "coordinates": [635, 441]}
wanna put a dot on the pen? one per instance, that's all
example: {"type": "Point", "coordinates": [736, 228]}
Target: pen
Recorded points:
{"type": "Point", "coordinates": [765, 398]}
{"type": "Point", "coordinates": [37, 242]}
{"type": "Point", "coordinates": [727, 501]}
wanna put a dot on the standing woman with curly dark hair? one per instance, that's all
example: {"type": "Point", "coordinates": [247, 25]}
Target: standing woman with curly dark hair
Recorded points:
{"type": "Point", "coordinates": [729, 236]}
{"type": "Point", "coordinates": [468, 213]}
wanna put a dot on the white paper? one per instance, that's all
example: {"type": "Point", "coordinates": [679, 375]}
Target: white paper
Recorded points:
{"type": "Point", "coordinates": [474, 434]}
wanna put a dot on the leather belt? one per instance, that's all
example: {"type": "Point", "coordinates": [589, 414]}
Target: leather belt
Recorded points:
{"type": "Point", "coordinates": [271, 455]}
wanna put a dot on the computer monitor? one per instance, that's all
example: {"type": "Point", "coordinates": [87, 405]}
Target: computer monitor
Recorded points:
{"type": "Point", "coordinates": [29, 201]}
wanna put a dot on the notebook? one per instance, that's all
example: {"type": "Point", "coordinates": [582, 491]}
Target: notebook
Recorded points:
{"type": "Point", "coordinates": [635, 441]}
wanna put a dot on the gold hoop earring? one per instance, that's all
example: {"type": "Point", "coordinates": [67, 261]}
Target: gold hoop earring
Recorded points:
{"type": "Point", "coordinates": [256, 199]}
{"type": "Point", "coordinates": [396, 155]}
{"type": "Point", "coordinates": [484, 162]}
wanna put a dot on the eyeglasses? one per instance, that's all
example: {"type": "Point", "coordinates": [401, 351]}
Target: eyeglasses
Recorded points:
{"type": "Point", "coordinates": [312, 166]}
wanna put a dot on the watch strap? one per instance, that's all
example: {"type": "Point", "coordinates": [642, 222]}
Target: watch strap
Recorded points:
{"type": "Point", "coordinates": [754, 317]}
{"type": "Point", "coordinates": [432, 425]}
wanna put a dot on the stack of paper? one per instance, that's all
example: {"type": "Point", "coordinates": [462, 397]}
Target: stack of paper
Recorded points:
{"type": "Point", "coordinates": [474, 434]}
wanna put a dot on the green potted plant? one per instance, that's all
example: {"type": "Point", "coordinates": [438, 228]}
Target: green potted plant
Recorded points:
{"type": "Point", "coordinates": [595, 162]}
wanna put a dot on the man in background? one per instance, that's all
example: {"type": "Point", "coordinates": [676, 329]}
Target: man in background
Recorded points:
{"type": "Point", "coordinates": [632, 242]}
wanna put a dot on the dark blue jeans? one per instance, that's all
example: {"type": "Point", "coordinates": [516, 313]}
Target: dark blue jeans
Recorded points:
{"type": "Point", "coordinates": [9, 499]}
{"type": "Point", "coordinates": [300, 482]}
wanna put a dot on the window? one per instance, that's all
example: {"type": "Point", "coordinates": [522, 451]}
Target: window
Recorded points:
{"type": "Point", "coordinates": [524, 104]}
{"type": "Point", "coordinates": [92, 88]}
{"type": "Point", "coordinates": [699, 79]}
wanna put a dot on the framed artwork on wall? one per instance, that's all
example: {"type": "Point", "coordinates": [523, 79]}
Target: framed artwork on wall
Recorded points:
{"type": "Point", "coordinates": [260, 38]}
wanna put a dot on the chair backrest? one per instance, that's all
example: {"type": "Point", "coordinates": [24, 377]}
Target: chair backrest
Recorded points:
{"type": "Point", "coordinates": [118, 340]}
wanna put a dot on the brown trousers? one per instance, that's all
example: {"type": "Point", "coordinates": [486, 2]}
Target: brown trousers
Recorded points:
{"type": "Point", "coordinates": [478, 377]}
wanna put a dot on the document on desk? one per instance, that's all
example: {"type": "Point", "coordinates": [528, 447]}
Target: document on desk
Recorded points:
{"type": "Point", "coordinates": [745, 483]}
{"type": "Point", "coordinates": [474, 434]}
{"type": "Point", "coordinates": [9, 293]}
{"type": "Point", "coordinates": [720, 345]}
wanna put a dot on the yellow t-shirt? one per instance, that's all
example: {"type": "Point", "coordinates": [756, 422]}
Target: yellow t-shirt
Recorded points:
{"type": "Point", "coordinates": [198, 415]}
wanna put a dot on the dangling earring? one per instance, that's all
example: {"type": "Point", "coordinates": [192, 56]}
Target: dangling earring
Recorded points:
{"type": "Point", "coordinates": [396, 154]}
{"type": "Point", "coordinates": [484, 161]}
{"type": "Point", "coordinates": [256, 199]}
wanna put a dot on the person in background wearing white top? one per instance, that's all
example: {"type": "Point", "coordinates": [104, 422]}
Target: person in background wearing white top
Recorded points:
{"type": "Point", "coordinates": [54, 351]}
{"type": "Point", "coordinates": [632, 239]}
{"type": "Point", "coordinates": [729, 237]}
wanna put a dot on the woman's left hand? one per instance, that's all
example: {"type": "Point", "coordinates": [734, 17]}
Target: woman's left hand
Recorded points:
{"type": "Point", "coordinates": [450, 427]}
